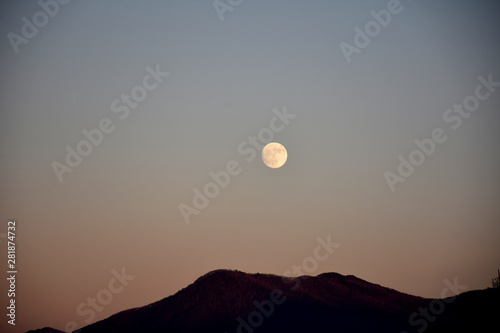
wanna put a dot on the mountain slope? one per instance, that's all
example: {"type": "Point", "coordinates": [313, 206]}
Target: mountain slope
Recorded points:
{"type": "Point", "coordinates": [232, 301]}
{"type": "Point", "coordinates": [46, 330]}
{"type": "Point", "coordinates": [223, 300]}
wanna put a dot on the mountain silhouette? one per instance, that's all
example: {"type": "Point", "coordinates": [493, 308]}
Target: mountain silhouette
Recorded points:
{"type": "Point", "coordinates": [46, 330]}
{"type": "Point", "coordinates": [226, 301]}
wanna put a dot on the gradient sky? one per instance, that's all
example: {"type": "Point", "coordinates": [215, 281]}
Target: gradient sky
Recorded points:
{"type": "Point", "coordinates": [119, 208]}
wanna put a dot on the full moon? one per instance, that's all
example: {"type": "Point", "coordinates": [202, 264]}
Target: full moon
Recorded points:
{"type": "Point", "coordinates": [274, 155]}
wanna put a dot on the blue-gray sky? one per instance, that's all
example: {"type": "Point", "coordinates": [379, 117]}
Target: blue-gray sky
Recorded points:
{"type": "Point", "coordinates": [120, 206]}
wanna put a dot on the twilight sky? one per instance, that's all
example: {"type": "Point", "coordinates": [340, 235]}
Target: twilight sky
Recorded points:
{"type": "Point", "coordinates": [344, 124]}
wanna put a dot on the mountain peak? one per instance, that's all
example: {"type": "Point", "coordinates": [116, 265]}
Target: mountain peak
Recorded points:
{"type": "Point", "coordinates": [226, 300]}
{"type": "Point", "coordinates": [46, 330]}
{"type": "Point", "coordinates": [221, 272]}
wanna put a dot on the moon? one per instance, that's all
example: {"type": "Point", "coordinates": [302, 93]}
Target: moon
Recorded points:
{"type": "Point", "coordinates": [274, 155]}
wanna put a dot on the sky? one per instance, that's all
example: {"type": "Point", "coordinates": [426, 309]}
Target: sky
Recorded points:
{"type": "Point", "coordinates": [175, 93]}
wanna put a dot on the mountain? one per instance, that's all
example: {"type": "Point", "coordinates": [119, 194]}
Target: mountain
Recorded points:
{"type": "Point", "coordinates": [225, 301]}
{"type": "Point", "coordinates": [46, 330]}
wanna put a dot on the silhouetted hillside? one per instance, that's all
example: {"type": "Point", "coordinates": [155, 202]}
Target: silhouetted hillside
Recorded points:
{"type": "Point", "coordinates": [46, 330]}
{"type": "Point", "coordinates": [232, 301]}
{"type": "Point", "coordinates": [221, 301]}
{"type": "Point", "coordinates": [472, 311]}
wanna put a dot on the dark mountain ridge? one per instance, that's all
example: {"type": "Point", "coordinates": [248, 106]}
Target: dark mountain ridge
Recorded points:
{"type": "Point", "coordinates": [233, 301]}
